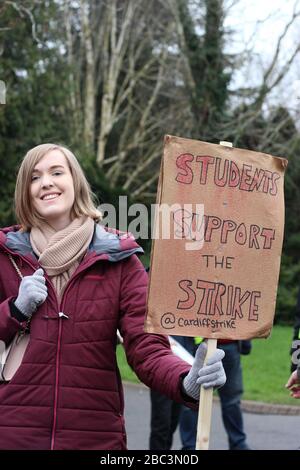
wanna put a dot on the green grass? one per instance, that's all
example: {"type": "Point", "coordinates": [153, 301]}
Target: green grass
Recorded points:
{"type": "Point", "coordinates": [126, 372]}
{"type": "Point", "coordinates": [265, 370]}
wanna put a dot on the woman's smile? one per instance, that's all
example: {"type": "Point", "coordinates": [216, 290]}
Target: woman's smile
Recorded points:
{"type": "Point", "coordinates": [50, 197]}
{"type": "Point", "coordinates": [52, 189]}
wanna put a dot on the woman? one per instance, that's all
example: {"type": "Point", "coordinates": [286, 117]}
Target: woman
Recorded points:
{"type": "Point", "coordinates": [82, 283]}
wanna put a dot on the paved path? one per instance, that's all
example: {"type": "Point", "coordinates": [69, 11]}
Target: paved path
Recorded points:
{"type": "Point", "coordinates": [272, 432]}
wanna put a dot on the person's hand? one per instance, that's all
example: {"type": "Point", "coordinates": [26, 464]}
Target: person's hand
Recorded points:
{"type": "Point", "coordinates": [293, 384]}
{"type": "Point", "coordinates": [32, 293]}
{"type": "Point", "coordinates": [210, 375]}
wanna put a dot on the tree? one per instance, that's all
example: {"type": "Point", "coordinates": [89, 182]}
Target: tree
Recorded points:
{"type": "Point", "coordinates": [124, 85]}
{"type": "Point", "coordinates": [34, 75]}
{"type": "Point", "coordinates": [206, 63]}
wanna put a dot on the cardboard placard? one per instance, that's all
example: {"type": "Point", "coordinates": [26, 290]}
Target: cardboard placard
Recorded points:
{"type": "Point", "coordinates": [216, 275]}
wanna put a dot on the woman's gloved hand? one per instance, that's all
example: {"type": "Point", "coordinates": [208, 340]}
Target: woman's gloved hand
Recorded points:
{"type": "Point", "coordinates": [32, 293]}
{"type": "Point", "coordinates": [210, 375]}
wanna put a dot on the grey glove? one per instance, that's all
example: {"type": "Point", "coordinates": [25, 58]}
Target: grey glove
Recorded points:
{"type": "Point", "coordinates": [210, 375]}
{"type": "Point", "coordinates": [32, 293]}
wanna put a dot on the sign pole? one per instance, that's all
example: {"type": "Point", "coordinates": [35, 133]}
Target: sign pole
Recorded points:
{"type": "Point", "coordinates": [206, 395]}
{"type": "Point", "coordinates": [205, 406]}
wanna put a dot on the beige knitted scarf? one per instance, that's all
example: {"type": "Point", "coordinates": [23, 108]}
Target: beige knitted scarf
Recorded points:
{"type": "Point", "coordinates": [60, 252]}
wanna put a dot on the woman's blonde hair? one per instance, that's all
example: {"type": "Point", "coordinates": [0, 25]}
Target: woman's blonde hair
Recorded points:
{"type": "Point", "coordinates": [84, 197]}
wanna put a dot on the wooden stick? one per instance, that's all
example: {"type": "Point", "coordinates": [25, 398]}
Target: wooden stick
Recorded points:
{"type": "Point", "coordinates": [205, 406]}
{"type": "Point", "coordinates": [206, 395]}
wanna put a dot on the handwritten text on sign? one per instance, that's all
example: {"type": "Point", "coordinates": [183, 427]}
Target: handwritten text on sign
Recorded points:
{"type": "Point", "coordinates": [228, 288]}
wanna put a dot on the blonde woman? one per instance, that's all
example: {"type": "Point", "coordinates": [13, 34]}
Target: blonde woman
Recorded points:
{"type": "Point", "coordinates": [81, 283]}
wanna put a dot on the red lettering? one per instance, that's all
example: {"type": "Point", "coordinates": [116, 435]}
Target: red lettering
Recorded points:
{"type": "Point", "coordinates": [268, 177]}
{"type": "Point", "coordinates": [205, 160]}
{"type": "Point", "coordinates": [208, 288]}
{"type": "Point", "coordinates": [246, 178]}
{"type": "Point", "coordinates": [216, 304]}
{"type": "Point", "coordinates": [229, 300]}
{"type": "Point", "coordinates": [185, 285]}
{"type": "Point", "coordinates": [241, 234]}
{"type": "Point", "coordinates": [274, 189]}
{"type": "Point", "coordinates": [254, 231]}
{"type": "Point", "coordinates": [184, 227]}
{"type": "Point", "coordinates": [269, 236]}
{"type": "Point", "coordinates": [221, 180]}
{"type": "Point", "coordinates": [257, 180]}
{"type": "Point", "coordinates": [238, 302]}
{"type": "Point", "coordinates": [182, 162]}
{"type": "Point", "coordinates": [210, 297]}
{"type": "Point", "coordinates": [253, 316]}
{"type": "Point", "coordinates": [213, 223]}
{"type": "Point", "coordinates": [234, 175]}
{"type": "Point", "coordinates": [228, 226]}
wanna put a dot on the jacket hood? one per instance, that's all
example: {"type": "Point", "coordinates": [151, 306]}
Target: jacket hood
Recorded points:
{"type": "Point", "coordinates": [110, 244]}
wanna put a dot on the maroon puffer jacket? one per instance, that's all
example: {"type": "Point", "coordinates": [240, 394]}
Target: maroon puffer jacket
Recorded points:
{"type": "Point", "coordinates": [67, 393]}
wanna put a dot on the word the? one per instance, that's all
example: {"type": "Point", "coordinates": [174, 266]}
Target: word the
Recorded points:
{"type": "Point", "coordinates": [218, 261]}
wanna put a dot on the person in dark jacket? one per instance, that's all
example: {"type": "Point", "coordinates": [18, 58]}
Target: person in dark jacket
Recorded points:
{"type": "Point", "coordinates": [295, 349]}
{"type": "Point", "coordinates": [166, 414]}
{"type": "Point", "coordinates": [81, 283]}
{"type": "Point", "coordinates": [293, 383]}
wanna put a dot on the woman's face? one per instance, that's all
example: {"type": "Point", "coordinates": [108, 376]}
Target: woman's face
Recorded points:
{"type": "Point", "coordinates": [52, 189]}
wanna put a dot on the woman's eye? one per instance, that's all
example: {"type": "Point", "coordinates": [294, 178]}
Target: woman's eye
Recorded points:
{"type": "Point", "coordinates": [56, 173]}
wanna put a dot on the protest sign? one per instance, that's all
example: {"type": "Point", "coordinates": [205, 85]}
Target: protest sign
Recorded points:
{"type": "Point", "coordinates": [215, 274]}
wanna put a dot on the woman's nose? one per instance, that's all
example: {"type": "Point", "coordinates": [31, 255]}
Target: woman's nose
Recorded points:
{"type": "Point", "coordinates": [46, 181]}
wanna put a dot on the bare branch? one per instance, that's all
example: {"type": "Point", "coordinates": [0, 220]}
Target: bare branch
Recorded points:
{"type": "Point", "coordinates": [265, 87]}
{"type": "Point", "coordinates": [22, 10]}
{"type": "Point", "coordinates": [90, 92]}
{"type": "Point", "coordinates": [145, 185]}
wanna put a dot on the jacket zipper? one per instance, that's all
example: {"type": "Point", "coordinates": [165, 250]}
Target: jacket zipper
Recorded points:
{"type": "Point", "coordinates": [61, 316]}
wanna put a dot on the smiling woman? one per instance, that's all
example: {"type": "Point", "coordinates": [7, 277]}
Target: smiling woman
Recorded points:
{"type": "Point", "coordinates": [46, 170]}
{"type": "Point", "coordinates": [52, 189]}
{"type": "Point", "coordinates": [81, 283]}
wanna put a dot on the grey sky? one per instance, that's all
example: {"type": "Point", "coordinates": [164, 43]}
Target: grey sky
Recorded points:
{"type": "Point", "coordinates": [257, 25]}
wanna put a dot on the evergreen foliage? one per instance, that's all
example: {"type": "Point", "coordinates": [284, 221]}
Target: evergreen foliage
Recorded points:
{"type": "Point", "coordinates": [34, 66]}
